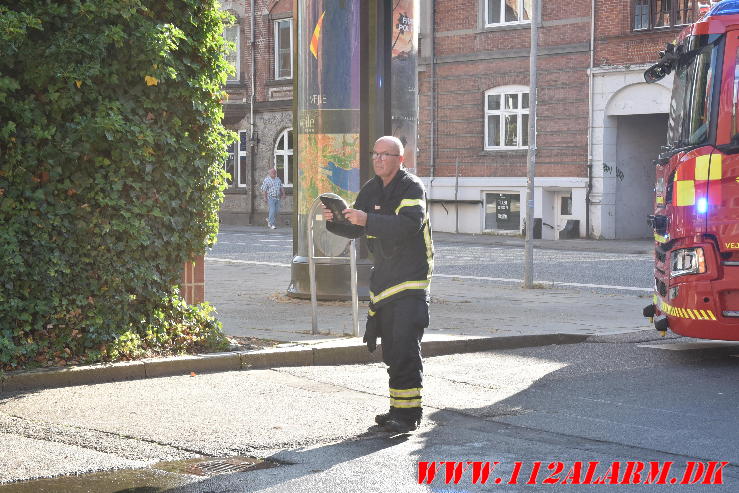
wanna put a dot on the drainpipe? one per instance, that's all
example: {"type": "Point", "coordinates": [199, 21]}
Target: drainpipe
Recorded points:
{"type": "Point", "coordinates": [433, 98]}
{"type": "Point", "coordinates": [252, 139]}
{"type": "Point", "coordinates": [590, 120]}
{"type": "Point", "coordinates": [456, 197]}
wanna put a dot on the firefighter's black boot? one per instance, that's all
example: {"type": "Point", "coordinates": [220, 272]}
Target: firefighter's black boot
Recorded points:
{"type": "Point", "coordinates": [397, 424]}
{"type": "Point", "coordinates": [381, 419]}
{"type": "Point", "coordinates": [402, 420]}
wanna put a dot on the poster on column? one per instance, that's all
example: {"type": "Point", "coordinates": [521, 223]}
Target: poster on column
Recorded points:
{"type": "Point", "coordinates": [404, 45]}
{"type": "Point", "coordinates": [328, 100]}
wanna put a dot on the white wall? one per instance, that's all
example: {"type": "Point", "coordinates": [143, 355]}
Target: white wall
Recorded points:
{"type": "Point", "coordinates": [472, 216]}
{"type": "Point", "coordinates": [617, 92]}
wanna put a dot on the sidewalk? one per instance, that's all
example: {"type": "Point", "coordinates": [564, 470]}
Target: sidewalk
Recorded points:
{"type": "Point", "coordinates": [466, 315]}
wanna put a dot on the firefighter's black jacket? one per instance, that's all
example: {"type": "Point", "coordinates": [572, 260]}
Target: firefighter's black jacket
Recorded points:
{"type": "Point", "coordinates": [399, 236]}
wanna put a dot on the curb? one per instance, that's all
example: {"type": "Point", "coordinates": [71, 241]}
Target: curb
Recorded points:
{"type": "Point", "coordinates": [350, 352]}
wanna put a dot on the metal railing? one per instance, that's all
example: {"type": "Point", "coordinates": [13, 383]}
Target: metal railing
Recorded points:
{"type": "Point", "coordinates": [312, 273]}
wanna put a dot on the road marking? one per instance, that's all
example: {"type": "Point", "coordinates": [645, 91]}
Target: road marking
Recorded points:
{"type": "Point", "coordinates": [552, 283]}
{"type": "Point", "coordinates": [451, 276]}
{"type": "Point", "coordinates": [249, 262]}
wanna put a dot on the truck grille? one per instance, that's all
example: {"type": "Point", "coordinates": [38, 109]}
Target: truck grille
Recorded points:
{"type": "Point", "coordinates": [660, 255]}
{"type": "Point", "coordinates": [661, 287]}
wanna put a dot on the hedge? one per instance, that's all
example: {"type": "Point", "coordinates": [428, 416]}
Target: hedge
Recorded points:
{"type": "Point", "coordinates": [110, 144]}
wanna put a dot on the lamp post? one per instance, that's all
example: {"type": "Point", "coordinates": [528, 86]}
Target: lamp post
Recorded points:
{"type": "Point", "coordinates": [528, 269]}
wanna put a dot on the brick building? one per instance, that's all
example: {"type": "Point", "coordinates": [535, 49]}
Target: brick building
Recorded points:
{"type": "Point", "coordinates": [599, 125]}
{"type": "Point", "coordinates": [259, 107]}
{"type": "Point", "coordinates": [629, 119]}
{"type": "Point", "coordinates": [474, 104]}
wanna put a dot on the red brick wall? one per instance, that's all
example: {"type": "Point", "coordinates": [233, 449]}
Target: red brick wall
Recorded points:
{"type": "Point", "coordinates": [193, 281]}
{"type": "Point", "coordinates": [267, 12]}
{"type": "Point", "coordinates": [617, 44]}
{"type": "Point", "coordinates": [460, 87]}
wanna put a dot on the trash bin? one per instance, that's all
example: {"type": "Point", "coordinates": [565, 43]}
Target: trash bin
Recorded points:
{"type": "Point", "coordinates": [571, 229]}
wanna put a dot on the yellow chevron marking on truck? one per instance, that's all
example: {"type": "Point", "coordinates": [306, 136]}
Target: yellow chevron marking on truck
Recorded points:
{"type": "Point", "coordinates": [686, 313]}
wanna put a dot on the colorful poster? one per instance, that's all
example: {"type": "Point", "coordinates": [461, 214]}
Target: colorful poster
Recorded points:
{"type": "Point", "coordinates": [328, 100]}
{"type": "Point", "coordinates": [327, 106]}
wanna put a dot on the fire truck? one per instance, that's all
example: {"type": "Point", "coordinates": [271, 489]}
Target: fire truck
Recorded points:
{"type": "Point", "coordinates": [696, 210]}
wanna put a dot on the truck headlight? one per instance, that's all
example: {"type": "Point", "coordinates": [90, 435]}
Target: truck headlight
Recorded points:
{"type": "Point", "coordinates": [687, 261]}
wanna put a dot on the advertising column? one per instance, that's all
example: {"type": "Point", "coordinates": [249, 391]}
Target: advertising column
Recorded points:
{"type": "Point", "coordinates": [328, 132]}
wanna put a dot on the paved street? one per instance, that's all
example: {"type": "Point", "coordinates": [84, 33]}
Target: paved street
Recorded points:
{"type": "Point", "coordinates": [624, 394]}
{"type": "Point", "coordinates": [494, 260]}
{"type": "Point", "coordinates": [247, 275]}
{"type": "Point", "coordinates": [613, 398]}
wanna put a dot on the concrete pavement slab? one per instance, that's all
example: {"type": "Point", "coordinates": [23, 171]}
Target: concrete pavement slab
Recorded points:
{"type": "Point", "coordinates": [462, 307]}
{"type": "Point", "coordinates": [466, 314]}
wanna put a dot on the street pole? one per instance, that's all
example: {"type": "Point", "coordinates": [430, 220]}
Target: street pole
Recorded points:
{"type": "Point", "coordinates": [528, 265]}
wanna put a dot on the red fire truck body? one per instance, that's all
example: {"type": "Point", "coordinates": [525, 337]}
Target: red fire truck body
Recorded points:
{"type": "Point", "coordinates": [696, 216]}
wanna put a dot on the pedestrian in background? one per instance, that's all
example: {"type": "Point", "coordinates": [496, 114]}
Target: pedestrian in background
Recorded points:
{"type": "Point", "coordinates": [391, 211]}
{"type": "Point", "coordinates": [273, 193]}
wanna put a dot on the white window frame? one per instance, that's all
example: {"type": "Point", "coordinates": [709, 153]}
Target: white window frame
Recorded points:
{"type": "Point", "coordinates": [238, 179]}
{"type": "Point", "coordinates": [284, 153]}
{"type": "Point", "coordinates": [242, 153]}
{"type": "Point", "coordinates": [237, 27]}
{"type": "Point", "coordinates": [502, 21]}
{"type": "Point", "coordinates": [277, 48]}
{"type": "Point", "coordinates": [502, 112]}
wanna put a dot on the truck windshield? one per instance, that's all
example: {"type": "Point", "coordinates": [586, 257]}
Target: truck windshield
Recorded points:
{"type": "Point", "coordinates": [692, 92]}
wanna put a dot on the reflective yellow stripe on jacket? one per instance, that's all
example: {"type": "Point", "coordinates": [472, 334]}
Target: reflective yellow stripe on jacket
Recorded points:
{"type": "Point", "coordinates": [403, 286]}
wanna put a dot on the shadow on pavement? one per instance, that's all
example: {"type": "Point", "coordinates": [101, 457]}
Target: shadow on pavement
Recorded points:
{"type": "Point", "coordinates": [296, 464]}
{"type": "Point", "coordinates": [604, 400]}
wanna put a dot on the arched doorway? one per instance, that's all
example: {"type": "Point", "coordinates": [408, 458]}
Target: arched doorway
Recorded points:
{"type": "Point", "coordinates": [635, 128]}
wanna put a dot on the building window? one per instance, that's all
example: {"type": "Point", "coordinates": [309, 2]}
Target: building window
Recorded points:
{"type": "Point", "coordinates": [235, 164]}
{"type": "Point", "coordinates": [565, 205]}
{"type": "Point", "coordinates": [641, 14]}
{"type": "Point", "coordinates": [231, 34]}
{"type": "Point", "coordinates": [284, 49]}
{"type": "Point", "coordinates": [655, 14]}
{"type": "Point", "coordinates": [229, 165]}
{"type": "Point", "coordinates": [284, 156]}
{"type": "Point", "coordinates": [507, 12]}
{"type": "Point", "coordinates": [507, 118]}
{"type": "Point", "coordinates": [502, 211]}
{"type": "Point", "coordinates": [243, 146]}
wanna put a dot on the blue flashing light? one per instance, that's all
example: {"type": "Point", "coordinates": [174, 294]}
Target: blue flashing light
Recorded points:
{"type": "Point", "coordinates": [725, 7]}
{"type": "Point", "coordinates": [701, 205]}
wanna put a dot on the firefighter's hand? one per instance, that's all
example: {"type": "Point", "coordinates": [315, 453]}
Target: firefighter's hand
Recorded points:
{"type": "Point", "coordinates": [327, 214]}
{"type": "Point", "coordinates": [370, 334]}
{"type": "Point", "coordinates": [356, 217]}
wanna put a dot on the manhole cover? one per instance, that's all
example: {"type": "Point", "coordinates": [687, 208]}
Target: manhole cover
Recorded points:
{"type": "Point", "coordinates": [216, 466]}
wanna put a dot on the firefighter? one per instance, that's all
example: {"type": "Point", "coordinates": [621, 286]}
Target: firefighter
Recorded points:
{"type": "Point", "coordinates": [391, 211]}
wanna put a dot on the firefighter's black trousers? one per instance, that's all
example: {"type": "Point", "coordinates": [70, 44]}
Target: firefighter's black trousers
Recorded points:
{"type": "Point", "coordinates": [401, 323]}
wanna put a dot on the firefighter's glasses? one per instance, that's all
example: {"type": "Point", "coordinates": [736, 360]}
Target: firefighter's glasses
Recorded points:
{"type": "Point", "coordinates": [381, 156]}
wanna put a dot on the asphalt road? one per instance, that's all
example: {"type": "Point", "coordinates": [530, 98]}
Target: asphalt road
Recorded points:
{"type": "Point", "coordinates": [602, 272]}
{"type": "Point", "coordinates": [614, 398]}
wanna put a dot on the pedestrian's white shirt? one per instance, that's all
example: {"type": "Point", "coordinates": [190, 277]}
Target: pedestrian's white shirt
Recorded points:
{"type": "Point", "coordinates": [272, 186]}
